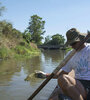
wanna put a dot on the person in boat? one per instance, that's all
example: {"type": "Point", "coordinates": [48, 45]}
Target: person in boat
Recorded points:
{"type": "Point", "coordinates": [77, 88]}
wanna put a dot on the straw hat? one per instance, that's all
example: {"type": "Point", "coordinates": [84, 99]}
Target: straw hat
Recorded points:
{"type": "Point", "coordinates": [73, 35]}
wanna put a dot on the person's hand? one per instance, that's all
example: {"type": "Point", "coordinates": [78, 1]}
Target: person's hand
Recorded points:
{"type": "Point", "coordinates": [40, 74]}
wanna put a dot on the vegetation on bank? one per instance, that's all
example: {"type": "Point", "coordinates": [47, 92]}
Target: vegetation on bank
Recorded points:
{"type": "Point", "coordinates": [16, 47]}
{"type": "Point", "coordinates": [14, 43]}
{"type": "Point", "coordinates": [68, 49]}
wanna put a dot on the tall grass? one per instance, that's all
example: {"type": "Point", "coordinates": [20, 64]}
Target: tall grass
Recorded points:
{"type": "Point", "coordinates": [4, 53]}
{"type": "Point", "coordinates": [17, 52]}
{"type": "Point", "coordinates": [68, 49]}
{"type": "Point", "coordinates": [22, 51]}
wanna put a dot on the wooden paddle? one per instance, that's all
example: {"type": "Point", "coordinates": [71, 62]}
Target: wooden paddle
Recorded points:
{"type": "Point", "coordinates": [58, 68]}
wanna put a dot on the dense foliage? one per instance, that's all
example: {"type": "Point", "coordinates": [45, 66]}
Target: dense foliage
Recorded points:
{"type": "Point", "coordinates": [27, 36]}
{"type": "Point", "coordinates": [56, 39]}
{"type": "Point", "coordinates": [36, 28]}
{"type": "Point", "coordinates": [7, 29]}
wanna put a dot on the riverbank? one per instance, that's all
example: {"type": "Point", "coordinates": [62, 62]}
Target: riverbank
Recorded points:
{"type": "Point", "coordinates": [11, 47]}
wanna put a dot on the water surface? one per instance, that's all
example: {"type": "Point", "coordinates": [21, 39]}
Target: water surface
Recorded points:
{"type": "Point", "coordinates": [13, 72]}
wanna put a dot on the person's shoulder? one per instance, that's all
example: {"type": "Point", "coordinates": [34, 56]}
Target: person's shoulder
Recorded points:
{"type": "Point", "coordinates": [87, 43]}
{"type": "Point", "coordinates": [87, 46]}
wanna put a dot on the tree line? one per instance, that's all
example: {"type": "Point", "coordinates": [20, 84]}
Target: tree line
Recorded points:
{"type": "Point", "coordinates": [33, 33]}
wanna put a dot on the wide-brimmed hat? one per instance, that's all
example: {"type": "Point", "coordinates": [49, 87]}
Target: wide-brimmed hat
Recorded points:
{"type": "Point", "coordinates": [73, 35]}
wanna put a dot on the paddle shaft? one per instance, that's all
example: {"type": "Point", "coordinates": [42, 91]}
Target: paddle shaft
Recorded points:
{"type": "Point", "coordinates": [40, 87]}
{"type": "Point", "coordinates": [58, 68]}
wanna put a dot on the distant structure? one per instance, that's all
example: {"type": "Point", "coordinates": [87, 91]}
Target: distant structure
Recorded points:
{"type": "Point", "coordinates": [52, 47]}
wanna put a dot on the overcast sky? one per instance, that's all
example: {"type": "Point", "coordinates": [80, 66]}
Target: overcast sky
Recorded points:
{"type": "Point", "coordinates": [59, 15]}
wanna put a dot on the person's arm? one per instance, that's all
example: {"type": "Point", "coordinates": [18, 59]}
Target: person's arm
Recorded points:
{"type": "Point", "coordinates": [57, 75]}
{"type": "Point", "coordinates": [62, 71]}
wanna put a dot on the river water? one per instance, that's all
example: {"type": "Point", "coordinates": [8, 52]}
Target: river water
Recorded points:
{"type": "Point", "coordinates": [13, 72]}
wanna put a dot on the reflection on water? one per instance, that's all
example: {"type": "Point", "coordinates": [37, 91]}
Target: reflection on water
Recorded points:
{"type": "Point", "coordinates": [13, 72]}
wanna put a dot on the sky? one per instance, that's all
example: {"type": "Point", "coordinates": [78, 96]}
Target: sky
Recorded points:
{"type": "Point", "coordinates": [59, 15]}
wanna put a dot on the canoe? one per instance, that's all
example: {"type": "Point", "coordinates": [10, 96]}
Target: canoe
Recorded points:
{"type": "Point", "coordinates": [57, 94]}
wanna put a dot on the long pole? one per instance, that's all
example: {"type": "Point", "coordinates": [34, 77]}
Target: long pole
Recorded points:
{"type": "Point", "coordinates": [58, 67]}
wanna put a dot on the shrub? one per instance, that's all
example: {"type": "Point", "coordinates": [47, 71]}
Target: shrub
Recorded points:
{"type": "Point", "coordinates": [20, 50]}
{"type": "Point", "coordinates": [4, 53]}
{"type": "Point", "coordinates": [68, 49]}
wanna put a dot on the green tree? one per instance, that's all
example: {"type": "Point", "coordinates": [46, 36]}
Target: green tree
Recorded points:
{"type": "Point", "coordinates": [16, 33]}
{"type": "Point", "coordinates": [36, 28]}
{"type": "Point", "coordinates": [27, 36]}
{"type": "Point", "coordinates": [7, 29]}
{"type": "Point", "coordinates": [57, 39]}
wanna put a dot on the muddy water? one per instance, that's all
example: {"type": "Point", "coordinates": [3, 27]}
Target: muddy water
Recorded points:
{"type": "Point", "coordinates": [13, 72]}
